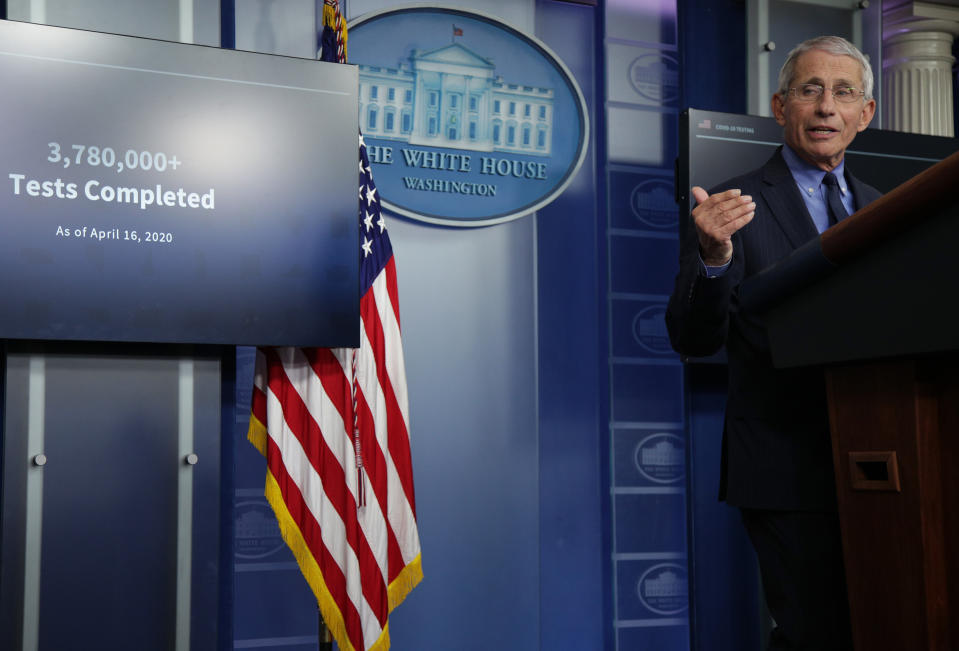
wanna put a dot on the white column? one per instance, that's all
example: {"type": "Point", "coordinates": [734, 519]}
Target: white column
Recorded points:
{"type": "Point", "coordinates": [186, 21]}
{"type": "Point", "coordinates": [917, 68]}
{"type": "Point", "coordinates": [185, 461]}
{"type": "Point", "coordinates": [33, 517]}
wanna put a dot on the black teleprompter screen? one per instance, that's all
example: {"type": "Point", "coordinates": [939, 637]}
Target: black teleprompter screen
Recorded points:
{"type": "Point", "coordinates": [717, 146]}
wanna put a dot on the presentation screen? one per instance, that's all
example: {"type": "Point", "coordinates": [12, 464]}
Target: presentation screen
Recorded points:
{"type": "Point", "coordinates": [163, 192]}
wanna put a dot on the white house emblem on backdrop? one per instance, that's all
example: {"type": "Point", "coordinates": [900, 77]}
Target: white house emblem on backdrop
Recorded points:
{"type": "Point", "coordinates": [468, 121]}
{"type": "Point", "coordinates": [649, 329]}
{"type": "Point", "coordinates": [655, 77]}
{"type": "Point", "coordinates": [256, 530]}
{"type": "Point", "coordinates": [451, 97]}
{"type": "Point", "coordinates": [664, 589]}
{"type": "Point", "coordinates": [661, 458]}
{"type": "Point", "coordinates": [653, 204]}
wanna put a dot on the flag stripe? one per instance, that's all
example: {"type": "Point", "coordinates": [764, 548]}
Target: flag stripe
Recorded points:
{"type": "Point", "coordinates": [325, 365]}
{"type": "Point", "coordinates": [333, 576]}
{"type": "Point", "coordinates": [381, 482]}
{"type": "Point", "coordinates": [370, 574]}
{"type": "Point", "coordinates": [392, 289]}
{"type": "Point", "coordinates": [373, 520]}
{"type": "Point", "coordinates": [395, 419]}
{"type": "Point", "coordinates": [390, 320]}
{"type": "Point", "coordinates": [399, 509]}
{"type": "Point", "coordinates": [328, 485]}
{"type": "Point", "coordinates": [403, 512]}
{"type": "Point", "coordinates": [373, 459]}
{"type": "Point", "coordinates": [325, 541]}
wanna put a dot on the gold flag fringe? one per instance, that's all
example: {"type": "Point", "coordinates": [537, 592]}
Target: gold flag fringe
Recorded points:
{"type": "Point", "coordinates": [408, 578]}
{"type": "Point", "coordinates": [308, 566]}
{"type": "Point", "coordinates": [398, 590]}
{"type": "Point", "coordinates": [329, 20]}
{"type": "Point", "coordinates": [256, 434]}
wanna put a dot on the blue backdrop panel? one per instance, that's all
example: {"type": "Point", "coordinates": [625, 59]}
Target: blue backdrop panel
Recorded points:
{"type": "Point", "coordinates": [288, 643]}
{"type": "Point", "coordinates": [258, 539]}
{"type": "Point", "coordinates": [636, 532]}
{"type": "Point", "coordinates": [647, 448]}
{"type": "Point", "coordinates": [647, 393]}
{"type": "Point", "coordinates": [725, 601]}
{"type": "Point", "coordinates": [639, 330]}
{"type": "Point", "coordinates": [641, 136]}
{"type": "Point", "coordinates": [651, 589]}
{"type": "Point", "coordinates": [649, 457]}
{"type": "Point", "coordinates": [642, 200]}
{"type": "Point", "coordinates": [250, 464]}
{"type": "Point", "coordinates": [283, 605]}
{"type": "Point", "coordinates": [717, 81]}
{"type": "Point", "coordinates": [245, 358]}
{"type": "Point", "coordinates": [571, 607]}
{"type": "Point", "coordinates": [650, 21]}
{"type": "Point", "coordinates": [657, 257]}
{"type": "Point", "coordinates": [642, 75]}
{"type": "Point", "coordinates": [653, 638]}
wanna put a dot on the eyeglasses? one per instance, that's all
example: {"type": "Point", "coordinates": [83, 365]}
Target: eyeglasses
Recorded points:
{"type": "Point", "coordinates": [812, 93]}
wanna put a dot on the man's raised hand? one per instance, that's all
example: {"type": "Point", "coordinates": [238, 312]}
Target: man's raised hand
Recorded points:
{"type": "Point", "coordinates": [717, 218]}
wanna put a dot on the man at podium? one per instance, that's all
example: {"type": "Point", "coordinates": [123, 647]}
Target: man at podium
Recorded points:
{"type": "Point", "coordinates": [776, 452]}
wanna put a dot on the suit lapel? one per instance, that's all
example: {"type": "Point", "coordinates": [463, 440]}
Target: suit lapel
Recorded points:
{"type": "Point", "coordinates": [787, 205]}
{"type": "Point", "coordinates": [862, 194]}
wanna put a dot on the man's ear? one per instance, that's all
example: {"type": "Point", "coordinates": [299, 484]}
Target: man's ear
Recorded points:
{"type": "Point", "coordinates": [868, 110]}
{"type": "Point", "coordinates": [779, 109]}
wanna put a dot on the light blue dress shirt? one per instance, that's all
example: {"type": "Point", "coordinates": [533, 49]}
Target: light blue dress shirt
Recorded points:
{"type": "Point", "coordinates": [809, 180]}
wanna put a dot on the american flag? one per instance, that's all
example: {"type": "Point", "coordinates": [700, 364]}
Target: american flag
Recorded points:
{"type": "Point", "coordinates": [333, 425]}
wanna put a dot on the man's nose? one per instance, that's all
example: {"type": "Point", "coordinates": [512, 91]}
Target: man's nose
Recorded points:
{"type": "Point", "coordinates": [826, 103]}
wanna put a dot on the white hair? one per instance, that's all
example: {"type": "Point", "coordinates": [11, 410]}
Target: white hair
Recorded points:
{"type": "Point", "coordinates": [833, 45]}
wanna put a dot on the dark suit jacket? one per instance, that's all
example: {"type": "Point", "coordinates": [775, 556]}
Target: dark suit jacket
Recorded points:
{"type": "Point", "coordinates": [776, 447]}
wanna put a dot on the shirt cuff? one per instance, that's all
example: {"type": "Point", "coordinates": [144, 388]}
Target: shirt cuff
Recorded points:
{"type": "Point", "coordinates": [713, 272]}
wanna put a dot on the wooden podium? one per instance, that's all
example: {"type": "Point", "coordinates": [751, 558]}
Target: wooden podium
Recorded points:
{"type": "Point", "coordinates": [875, 302]}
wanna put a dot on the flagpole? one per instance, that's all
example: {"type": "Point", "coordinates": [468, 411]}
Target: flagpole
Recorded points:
{"type": "Point", "coordinates": [324, 639]}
